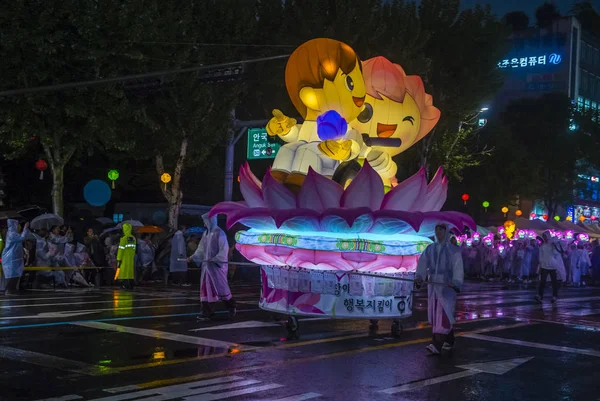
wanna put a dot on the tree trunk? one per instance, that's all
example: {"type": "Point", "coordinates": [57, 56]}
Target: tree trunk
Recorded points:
{"type": "Point", "coordinates": [174, 195]}
{"type": "Point", "coordinates": [58, 185]}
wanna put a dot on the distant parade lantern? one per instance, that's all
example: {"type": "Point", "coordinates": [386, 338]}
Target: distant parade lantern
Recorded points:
{"type": "Point", "coordinates": [165, 178]}
{"type": "Point", "coordinates": [581, 218]}
{"type": "Point", "coordinates": [485, 205]}
{"type": "Point", "coordinates": [545, 217]}
{"type": "Point", "coordinates": [505, 210]}
{"type": "Point", "coordinates": [569, 218]}
{"type": "Point", "coordinates": [533, 216]}
{"type": "Point", "coordinates": [556, 218]}
{"type": "Point", "coordinates": [42, 166]}
{"type": "Point", "coordinates": [518, 213]}
{"type": "Point", "coordinates": [113, 175]}
{"type": "Point", "coordinates": [465, 198]}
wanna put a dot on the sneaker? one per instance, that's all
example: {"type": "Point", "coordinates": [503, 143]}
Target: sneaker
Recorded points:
{"type": "Point", "coordinates": [446, 347]}
{"type": "Point", "coordinates": [553, 300]}
{"type": "Point", "coordinates": [432, 349]}
{"type": "Point", "coordinates": [538, 298]}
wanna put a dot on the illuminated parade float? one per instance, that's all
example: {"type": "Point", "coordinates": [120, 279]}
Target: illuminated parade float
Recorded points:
{"type": "Point", "coordinates": [334, 232]}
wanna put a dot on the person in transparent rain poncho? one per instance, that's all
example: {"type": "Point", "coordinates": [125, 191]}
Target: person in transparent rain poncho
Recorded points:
{"type": "Point", "coordinates": [442, 262]}
{"type": "Point", "coordinates": [212, 253]}
{"type": "Point", "coordinates": [12, 256]}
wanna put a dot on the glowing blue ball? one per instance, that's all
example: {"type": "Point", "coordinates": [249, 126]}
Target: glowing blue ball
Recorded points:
{"type": "Point", "coordinates": [97, 193]}
{"type": "Point", "coordinates": [331, 125]}
{"type": "Point", "coordinates": [159, 217]}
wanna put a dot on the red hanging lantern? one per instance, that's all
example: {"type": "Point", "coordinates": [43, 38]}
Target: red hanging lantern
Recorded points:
{"type": "Point", "coordinates": [545, 217]}
{"type": "Point", "coordinates": [465, 198]}
{"type": "Point", "coordinates": [42, 166]}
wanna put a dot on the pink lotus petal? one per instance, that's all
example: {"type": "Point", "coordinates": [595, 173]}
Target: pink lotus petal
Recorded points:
{"type": "Point", "coordinates": [250, 187]}
{"type": "Point", "coordinates": [366, 190]}
{"type": "Point", "coordinates": [319, 193]}
{"type": "Point", "coordinates": [262, 216]}
{"type": "Point", "coordinates": [434, 191]}
{"type": "Point", "coordinates": [407, 194]}
{"type": "Point", "coordinates": [227, 208]}
{"type": "Point", "coordinates": [413, 219]}
{"type": "Point", "coordinates": [343, 220]}
{"type": "Point", "coordinates": [442, 198]}
{"type": "Point", "coordinates": [276, 195]}
{"type": "Point", "coordinates": [282, 216]}
{"type": "Point", "coordinates": [453, 219]}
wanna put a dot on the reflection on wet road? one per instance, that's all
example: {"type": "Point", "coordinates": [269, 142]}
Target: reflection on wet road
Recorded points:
{"type": "Point", "coordinates": [104, 344]}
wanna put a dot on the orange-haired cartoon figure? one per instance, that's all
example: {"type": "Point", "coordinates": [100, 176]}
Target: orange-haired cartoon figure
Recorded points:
{"type": "Point", "coordinates": [398, 113]}
{"type": "Point", "coordinates": [322, 75]}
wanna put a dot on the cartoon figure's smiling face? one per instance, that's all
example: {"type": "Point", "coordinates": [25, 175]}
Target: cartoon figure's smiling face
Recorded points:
{"type": "Point", "coordinates": [345, 94]}
{"type": "Point", "coordinates": [391, 127]}
{"type": "Point", "coordinates": [397, 111]}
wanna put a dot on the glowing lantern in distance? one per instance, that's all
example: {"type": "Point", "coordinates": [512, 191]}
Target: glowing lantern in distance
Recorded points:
{"type": "Point", "coordinates": [165, 178]}
{"type": "Point", "coordinates": [465, 198]}
{"type": "Point", "coordinates": [42, 166]}
{"type": "Point", "coordinates": [113, 175]}
{"type": "Point", "coordinates": [518, 213]}
{"type": "Point", "coordinates": [533, 216]}
{"type": "Point", "coordinates": [485, 205]}
{"type": "Point", "coordinates": [557, 218]}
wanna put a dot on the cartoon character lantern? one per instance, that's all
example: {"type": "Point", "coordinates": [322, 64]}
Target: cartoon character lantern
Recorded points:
{"type": "Point", "coordinates": [321, 75]}
{"type": "Point", "coordinates": [397, 114]}
{"type": "Point", "coordinates": [509, 228]}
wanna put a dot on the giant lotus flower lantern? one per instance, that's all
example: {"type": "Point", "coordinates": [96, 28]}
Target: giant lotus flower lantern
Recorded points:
{"type": "Point", "coordinates": [351, 250]}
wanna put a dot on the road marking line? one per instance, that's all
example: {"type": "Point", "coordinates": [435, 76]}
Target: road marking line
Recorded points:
{"type": "Point", "coordinates": [121, 389]}
{"type": "Point", "coordinates": [235, 393]}
{"type": "Point", "coordinates": [589, 352]}
{"type": "Point", "coordinates": [54, 362]}
{"type": "Point", "coordinates": [112, 301]}
{"type": "Point", "coordinates": [207, 342]}
{"type": "Point", "coordinates": [45, 298]}
{"type": "Point", "coordinates": [428, 382]}
{"type": "Point", "coordinates": [69, 397]}
{"type": "Point", "coordinates": [163, 382]}
{"type": "Point", "coordinates": [218, 380]}
{"type": "Point", "coordinates": [239, 325]}
{"type": "Point", "coordinates": [114, 319]}
{"type": "Point", "coordinates": [299, 397]}
{"type": "Point", "coordinates": [173, 361]}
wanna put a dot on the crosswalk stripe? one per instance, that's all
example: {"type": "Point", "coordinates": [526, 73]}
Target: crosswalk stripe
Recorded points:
{"type": "Point", "coordinates": [299, 397]}
{"type": "Point", "coordinates": [69, 397]}
{"type": "Point", "coordinates": [229, 394]}
{"type": "Point", "coordinates": [218, 380]}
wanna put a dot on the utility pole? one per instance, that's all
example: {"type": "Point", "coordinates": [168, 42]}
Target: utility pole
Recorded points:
{"type": "Point", "coordinates": [232, 139]}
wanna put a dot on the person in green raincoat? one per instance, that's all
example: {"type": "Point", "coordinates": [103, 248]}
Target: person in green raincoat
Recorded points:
{"type": "Point", "coordinates": [125, 257]}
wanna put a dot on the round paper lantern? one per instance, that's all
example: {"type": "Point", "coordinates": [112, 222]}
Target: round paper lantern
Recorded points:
{"type": "Point", "coordinates": [569, 218]}
{"type": "Point", "coordinates": [545, 217]}
{"type": "Point", "coordinates": [557, 218]}
{"type": "Point", "coordinates": [581, 218]}
{"type": "Point", "coordinates": [113, 175]}
{"type": "Point", "coordinates": [505, 210]}
{"type": "Point", "coordinates": [593, 218]}
{"type": "Point", "coordinates": [97, 193]}
{"type": "Point", "coordinates": [41, 165]}
{"type": "Point", "coordinates": [165, 178]}
{"type": "Point", "coordinates": [485, 205]}
{"type": "Point", "coordinates": [533, 215]}
{"type": "Point", "coordinates": [518, 213]}
{"type": "Point", "coordinates": [465, 198]}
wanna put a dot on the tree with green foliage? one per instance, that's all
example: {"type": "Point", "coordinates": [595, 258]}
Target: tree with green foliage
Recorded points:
{"type": "Point", "coordinates": [47, 43]}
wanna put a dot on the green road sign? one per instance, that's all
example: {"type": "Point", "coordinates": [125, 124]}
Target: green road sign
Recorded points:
{"type": "Point", "coordinates": [260, 145]}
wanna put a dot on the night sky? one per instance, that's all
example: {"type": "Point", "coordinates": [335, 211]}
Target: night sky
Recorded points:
{"type": "Point", "coordinates": [501, 7]}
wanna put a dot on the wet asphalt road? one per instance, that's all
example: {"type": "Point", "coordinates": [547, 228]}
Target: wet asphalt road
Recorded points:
{"type": "Point", "coordinates": [105, 344]}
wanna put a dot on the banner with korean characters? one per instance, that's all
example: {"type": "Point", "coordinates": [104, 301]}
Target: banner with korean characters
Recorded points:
{"type": "Point", "coordinates": [335, 294]}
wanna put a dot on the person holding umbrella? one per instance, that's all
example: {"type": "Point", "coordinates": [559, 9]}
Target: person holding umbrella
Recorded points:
{"type": "Point", "coordinates": [12, 256]}
{"type": "Point", "coordinates": [126, 258]}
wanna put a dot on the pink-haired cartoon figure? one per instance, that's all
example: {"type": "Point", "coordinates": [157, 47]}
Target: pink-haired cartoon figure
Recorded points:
{"type": "Point", "coordinates": [398, 113]}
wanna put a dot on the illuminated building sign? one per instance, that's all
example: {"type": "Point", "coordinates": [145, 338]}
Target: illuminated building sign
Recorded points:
{"type": "Point", "coordinates": [587, 177]}
{"type": "Point", "coordinates": [531, 61]}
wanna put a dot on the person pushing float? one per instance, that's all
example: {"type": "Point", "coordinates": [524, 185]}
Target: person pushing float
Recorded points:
{"type": "Point", "coordinates": [335, 234]}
